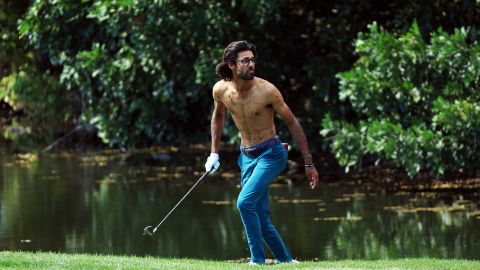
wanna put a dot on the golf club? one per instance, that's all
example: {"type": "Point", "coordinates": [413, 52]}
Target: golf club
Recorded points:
{"type": "Point", "coordinates": [148, 230]}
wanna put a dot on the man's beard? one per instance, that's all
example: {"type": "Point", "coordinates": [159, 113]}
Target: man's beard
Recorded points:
{"type": "Point", "coordinates": [248, 76]}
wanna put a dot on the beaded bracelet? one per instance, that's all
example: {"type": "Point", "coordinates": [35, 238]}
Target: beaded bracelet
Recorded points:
{"type": "Point", "coordinates": [309, 165]}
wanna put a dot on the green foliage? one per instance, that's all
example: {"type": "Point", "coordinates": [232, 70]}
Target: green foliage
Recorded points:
{"type": "Point", "coordinates": [143, 69]}
{"type": "Point", "coordinates": [36, 108]}
{"type": "Point", "coordinates": [332, 26]}
{"type": "Point", "coordinates": [419, 102]}
{"type": "Point", "coordinates": [46, 107]}
{"type": "Point", "coordinates": [133, 62]}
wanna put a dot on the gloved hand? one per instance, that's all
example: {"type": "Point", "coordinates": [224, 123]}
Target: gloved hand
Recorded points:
{"type": "Point", "coordinates": [212, 163]}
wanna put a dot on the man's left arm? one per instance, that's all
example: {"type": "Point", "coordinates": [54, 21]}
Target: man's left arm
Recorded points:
{"type": "Point", "coordinates": [298, 135]}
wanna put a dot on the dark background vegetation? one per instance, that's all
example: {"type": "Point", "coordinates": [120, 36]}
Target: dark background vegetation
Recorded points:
{"type": "Point", "coordinates": [372, 82]}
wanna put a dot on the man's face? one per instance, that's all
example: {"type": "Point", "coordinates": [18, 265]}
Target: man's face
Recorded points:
{"type": "Point", "coordinates": [245, 65]}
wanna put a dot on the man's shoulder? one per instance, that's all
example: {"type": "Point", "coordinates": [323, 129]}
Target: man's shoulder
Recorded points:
{"type": "Point", "coordinates": [266, 85]}
{"type": "Point", "coordinates": [220, 85]}
{"type": "Point", "coordinates": [219, 89]}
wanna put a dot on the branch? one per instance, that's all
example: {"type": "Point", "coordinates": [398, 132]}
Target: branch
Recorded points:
{"type": "Point", "coordinates": [56, 142]}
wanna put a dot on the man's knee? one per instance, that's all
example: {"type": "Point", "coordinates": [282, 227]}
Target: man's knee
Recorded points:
{"type": "Point", "coordinates": [244, 204]}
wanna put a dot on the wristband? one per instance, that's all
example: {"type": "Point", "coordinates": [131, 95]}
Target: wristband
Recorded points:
{"type": "Point", "coordinates": [310, 165]}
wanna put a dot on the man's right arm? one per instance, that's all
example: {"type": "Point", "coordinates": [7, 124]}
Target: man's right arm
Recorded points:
{"type": "Point", "coordinates": [216, 125]}
{"type": "Point", "coordinates": [218, 119]}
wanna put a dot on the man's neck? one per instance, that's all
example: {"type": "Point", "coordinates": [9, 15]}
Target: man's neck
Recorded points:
{"type": "Point", "coordinates": [242, 85]}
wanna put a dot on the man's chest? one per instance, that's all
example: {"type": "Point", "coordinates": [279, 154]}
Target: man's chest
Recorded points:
{"type": "Point", "coordinates": [253, 104]}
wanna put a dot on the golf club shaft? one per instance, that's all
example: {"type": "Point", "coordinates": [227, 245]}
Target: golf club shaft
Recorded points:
{"type": "Point", "coordinates": [184, 196]}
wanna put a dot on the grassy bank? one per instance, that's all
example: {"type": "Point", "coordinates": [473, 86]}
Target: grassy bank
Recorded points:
{"type": "Point", "coordinates": [27, 260]}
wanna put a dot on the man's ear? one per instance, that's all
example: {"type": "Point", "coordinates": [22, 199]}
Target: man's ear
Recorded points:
{"type": "Point", "coordinates": [231, 65]}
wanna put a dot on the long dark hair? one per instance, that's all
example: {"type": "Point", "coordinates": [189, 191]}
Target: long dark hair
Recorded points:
{"type": "Point", "coordinates": [230, 54]}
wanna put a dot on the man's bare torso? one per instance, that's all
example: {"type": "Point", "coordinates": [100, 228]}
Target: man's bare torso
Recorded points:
{"type": "Point", "coordinates": [251, 110]}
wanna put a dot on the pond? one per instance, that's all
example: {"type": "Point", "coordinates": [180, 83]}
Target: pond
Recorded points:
{"type": "Point", "coordinates": [100, 203]}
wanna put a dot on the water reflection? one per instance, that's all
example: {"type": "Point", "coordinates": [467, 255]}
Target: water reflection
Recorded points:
{"type": "Point", "coordinates": [100, 203]}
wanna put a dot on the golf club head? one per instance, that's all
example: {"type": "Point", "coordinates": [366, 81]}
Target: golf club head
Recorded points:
{"type": "Point", "coordinates": [148, 231]}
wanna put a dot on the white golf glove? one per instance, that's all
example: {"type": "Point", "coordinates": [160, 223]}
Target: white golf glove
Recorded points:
{"type": "Point", "coordinates": [212, 163]}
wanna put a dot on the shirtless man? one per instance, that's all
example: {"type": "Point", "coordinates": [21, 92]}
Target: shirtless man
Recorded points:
{"type": "Point", "coordinates": [252, 102]}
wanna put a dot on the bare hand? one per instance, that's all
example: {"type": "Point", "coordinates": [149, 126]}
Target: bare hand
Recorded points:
{"type": "Point", "coordinates": [312, 176]}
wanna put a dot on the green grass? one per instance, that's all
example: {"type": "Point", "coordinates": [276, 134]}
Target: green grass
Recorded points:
{"type": "Point", "coordinates": [43, 260]}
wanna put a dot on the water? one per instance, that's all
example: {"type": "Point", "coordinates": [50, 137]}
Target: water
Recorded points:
{"type": "Point", "coordinates": [101, 202]}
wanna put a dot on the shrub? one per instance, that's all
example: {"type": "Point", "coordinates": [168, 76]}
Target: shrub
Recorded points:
{"type": "Point", "coordinates": [417, 102]}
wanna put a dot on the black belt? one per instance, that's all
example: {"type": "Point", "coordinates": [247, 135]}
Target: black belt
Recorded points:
{"type": "Point", "coordinates": [259, 148]}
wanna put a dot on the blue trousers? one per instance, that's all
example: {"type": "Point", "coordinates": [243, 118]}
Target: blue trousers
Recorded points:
{"type": "Point", "coordinates": [257, 172]}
